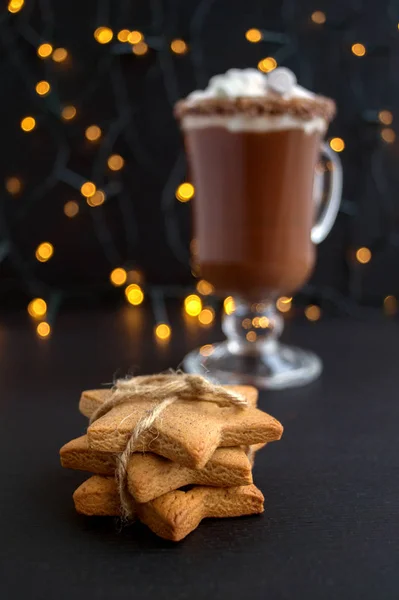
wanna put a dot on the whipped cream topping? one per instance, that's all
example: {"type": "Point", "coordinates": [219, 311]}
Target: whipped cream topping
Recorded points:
{"type": "Point", "coordinates": [241, 83]}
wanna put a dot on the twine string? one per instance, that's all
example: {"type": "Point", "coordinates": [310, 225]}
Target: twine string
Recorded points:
{"type": "Point", "coordinates": [164, 390]}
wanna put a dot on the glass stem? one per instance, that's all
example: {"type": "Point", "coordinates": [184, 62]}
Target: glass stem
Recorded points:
{"type": "Point", "coordinates": [252, 324]}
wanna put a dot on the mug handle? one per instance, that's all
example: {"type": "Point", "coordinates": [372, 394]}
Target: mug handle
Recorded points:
{"type": "Point", "coordinates": [326, 220]}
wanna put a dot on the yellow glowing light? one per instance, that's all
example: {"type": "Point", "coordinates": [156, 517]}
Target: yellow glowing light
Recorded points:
{"type": "Point", "coordinates": [28, 124]}
{"type": "Point", "coordinates": [255, 322]}
{"type": "Point", "coordinates": [267, 64]}
{"type": "Point", "coordinates": [359, 49]}
{"type": "Point", "coordinates": [318, 17]}
{"type": "Point", "coordinates": [68, 113]}
{"type": "Point", "coordinates": [71, 208]}
{"type": "Point", "coordinates": [229, 305]}
{"type": "Point", "coordinates": [204, 287]}
{"type": "Point", "coordinates": [246, 323]}
{"type": "Point", "coordinates": [162, 331]}
{"type": "Point", "coordinates": [206, 350]}
{"type": "Point", "coordinates": [93, 133]}
{"type": "Point", "coordinates": [135, 37]}
{"type": "Point", "coordinates": [253, 35]}
{"type": "Point", "coordinates": [283, 304]}
{"type": "Point", "coordinates": [13, 185]}
{"type": "Point", "coordinates": [97, 199]}
{"type": "Point", "coordinates": [103, 35]}
{"type": "Point", "coordinates": [59, 55]}
{"type": "Point", "coordinates": [385, 117]}
{"type": "Point", "coordinates": [134, 294]}
{"type": "Point", "coordinates": [88, 189]}
{"type": "Point", "coordinates": [264, 322]}
{"type": "Point", "coordinates": [44, 50]}
{"type": "Point", "coordinates": [337, 144]}
{"type": "Point", "coordinates": [312, 312]}
{"type": "Point", "coordinates": [251, 336]}
{"type": "Point", "coordinates": [42, 88]}
{"type": "Point", "coordinates": [390, 305]}
{"type": "Point", "coordinates": [37, 308]}
{"type": "Point", "coordinates": [363, 255]}
{"type": "Point", "coordinates": [15, 6]}
{"type": "Point", "coordinates": [123, 35]}
{"type": "Point", "coordinates": [179, 46]}
{"type": "Point", "coordinates": [118, 276]}
{"type": "Point", "coordinates": [140, 49]}
{"type": "Point", "coordinates": [115, 162]}
{"type": "Point", "coordinates": [388, 135]}
{"type": "Point", "coordinates": [44, 251]}
{"type": "Point", "coordinates": [193, 305]}
{"type": "Point", "coordinates": [206, 315]}
{"type": "Point", "coordinates": [185, 192]}
{"type": "Point", "coordinates": [43, 329]}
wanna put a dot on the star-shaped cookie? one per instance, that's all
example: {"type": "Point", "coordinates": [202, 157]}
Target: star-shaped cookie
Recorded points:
{"type": "Point", "coordinates": [187, 432]}
{"type": "Point", "coordinates": [173, 515]}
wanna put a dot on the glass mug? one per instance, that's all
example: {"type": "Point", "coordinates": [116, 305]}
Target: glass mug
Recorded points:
{"type": "Point", "coordinates": [254, 222]}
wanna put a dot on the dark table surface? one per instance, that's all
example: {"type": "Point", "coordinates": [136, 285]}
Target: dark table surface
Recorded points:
{"type": "Point", "coordinates": [331, 525]}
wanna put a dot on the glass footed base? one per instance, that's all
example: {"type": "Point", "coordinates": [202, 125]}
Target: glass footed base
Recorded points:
{"type": "Point", "coordinates": [273, 366]}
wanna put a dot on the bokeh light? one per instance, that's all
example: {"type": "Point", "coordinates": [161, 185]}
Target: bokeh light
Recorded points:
{"type": "Point", "coordinates": [118, 276]}
{"type": "Point", "coordinates": [123, 35]}
{"type": "Point", "coordinates": [363, 255]}
{"type": "Point", "coordinates": [179, 46]}
{"type": "Point", "coordinates": [103, 35]}
{"type": "Point", "coordinates": [267, 64]}
{"type": "Point", "coordinates": [390, 305]}
{"type": "Point", "coordinates": [251, 336]}
{"type": "Point", "coordinates": [71, 208]}
{"type": "Point", "coordinates": [37, 308]}
{"type": "Point", "coordinates": [318, 17]}
{"type": "Point", "coordinates": [193, 305]}
{"type": "Point", "coordinates": [135, 37]}
{"type": "Point", "coordinates": [337, 144]}
{"type": "Point", "coordinates": [358, 49]}
{"type": "Point", "coordinates": [204, 287]}
{"type": "Point", "coordinates": [253, 35]}
{"type": "Point", "coordinates": [206, 316]}
{"type": "Point", "coordinates": [59, 55]}
{"type": "Point", "coordinates": [15, 6]}
{"type": "Point", "coordinates": [115, 162]}
{"type": "Point", "coordinates": [284, 304]}
{"type": "Point", "coordinates": [88, 189]}
{"type": "Point", "coordinates": [43, 329]}
{"type": "Point", "coordinates": [206, 350]}
{"type": "Point", "coordinates": [42, 88]}
{"type": "Point", "coordinates": [313, 312]}
{"type": "Point", "coordinates": [140, 49]}
{"type": "Point", "coordinates": [13, 185]}
{"type": "Point", "coordinates": [388, 135]}
{"type": "Point", "coordinates": [134, 294]}
{"type": "Point", "coordinates": [44, 251]}
{"type": "Point", "coordinates": [28, 124]}
{"type": "Point", "coordinates": [229, 305]}
{"type": "Point", "coordinates": [162, 331]}
{"type": "Point", "coordinates": [185, 192]}
{"type": "Point", "coordinates": [93, 133]}
{"type": "Point", "coordinates": [385, 117]}
{"type": "Point", "coordinates": [68, 113]}
{"type": "Point", "coordinates": [44, 50]}
{"type": "Point", "coordinates": [97, 199]}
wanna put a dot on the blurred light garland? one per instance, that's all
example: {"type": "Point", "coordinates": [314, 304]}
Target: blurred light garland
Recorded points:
{"type": "Point", "coordinates": [119, 276]}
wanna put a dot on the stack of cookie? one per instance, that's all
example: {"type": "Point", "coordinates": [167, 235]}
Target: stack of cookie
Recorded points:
{"type": "Point", "coordinates": [197, 444]}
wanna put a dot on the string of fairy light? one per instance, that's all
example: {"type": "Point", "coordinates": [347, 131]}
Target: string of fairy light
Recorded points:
{"type": "Point", "coordinates": [198, 304]}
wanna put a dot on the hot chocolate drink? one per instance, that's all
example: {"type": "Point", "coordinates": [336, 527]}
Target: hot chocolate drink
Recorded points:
{"type": "Point", "coordinates": [252, 159]}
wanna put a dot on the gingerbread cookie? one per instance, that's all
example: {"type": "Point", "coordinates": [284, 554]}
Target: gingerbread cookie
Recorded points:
{"type": "Point", "coordinates": [188, 431]}
{"type": "Point", "coordinates": [174, 515]}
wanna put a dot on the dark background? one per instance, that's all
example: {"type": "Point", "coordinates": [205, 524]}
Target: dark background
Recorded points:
{"type": "Point", "coordinates": [141, 224]}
